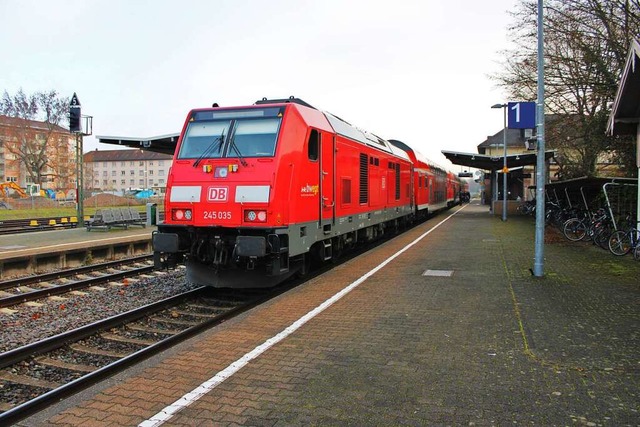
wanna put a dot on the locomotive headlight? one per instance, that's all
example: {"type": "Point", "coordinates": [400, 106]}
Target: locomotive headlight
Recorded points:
{"type": "Point", "coordinates": [255, 216]}
{"type": "Point", "coordinates": [221, 172]}
{"type": "Point", "coordinates": [181, 214]}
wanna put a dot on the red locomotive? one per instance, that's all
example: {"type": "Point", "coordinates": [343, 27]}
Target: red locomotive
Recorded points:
{"type": "Point", "coordinates": [256, 193]}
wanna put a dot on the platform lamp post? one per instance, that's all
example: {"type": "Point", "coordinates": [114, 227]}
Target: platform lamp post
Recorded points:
{"type": "Point", "coordinates": [504, 163]}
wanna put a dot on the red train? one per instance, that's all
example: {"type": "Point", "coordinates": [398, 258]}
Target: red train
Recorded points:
{"type": "Point", "coordinates": [257, 193]}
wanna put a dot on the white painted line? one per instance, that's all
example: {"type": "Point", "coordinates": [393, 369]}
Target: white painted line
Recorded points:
{"type": "Point", "coordinates": [168, 412]}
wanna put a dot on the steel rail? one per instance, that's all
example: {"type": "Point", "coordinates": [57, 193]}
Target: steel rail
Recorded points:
{"type": "Point", "coordinates": [54, 275]}
{"type": "Point", "coordinates": [31, 407]}
{"type": "Point", "coordinates": [68, 287]}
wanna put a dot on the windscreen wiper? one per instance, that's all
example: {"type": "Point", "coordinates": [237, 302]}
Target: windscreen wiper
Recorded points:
{"type": "Point", "coordinates": [233, 145]}
{"type": "Point", "coordinates": [219, 140]}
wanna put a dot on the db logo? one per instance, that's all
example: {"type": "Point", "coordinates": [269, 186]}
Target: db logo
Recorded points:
{"type": "Point", "coordinates": [218, 194]}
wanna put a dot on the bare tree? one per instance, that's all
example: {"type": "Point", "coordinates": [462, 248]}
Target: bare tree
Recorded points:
{"type": "Point", "coordinates": [586, 43]}
{"type": "Point", "coordinates": [35, 136]}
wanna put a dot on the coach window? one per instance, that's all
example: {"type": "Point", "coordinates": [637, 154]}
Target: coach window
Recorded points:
{"type": "Point", "coordinates": [314, 145]}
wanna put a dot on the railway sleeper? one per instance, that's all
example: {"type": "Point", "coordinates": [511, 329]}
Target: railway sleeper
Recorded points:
{"type": "Point", "coordinates": [47, 361]}
{"type": "Point", "coordinates": [28, 381]}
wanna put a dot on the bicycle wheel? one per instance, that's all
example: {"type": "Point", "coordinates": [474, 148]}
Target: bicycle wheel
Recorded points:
{"type": "Point", "coordinates": [620, 243]}
{"type": "Point", "coordinates": [636, 253]}
{"type": "Point", "coordinates": [574, 229]}
{"type": "Point", "coordinates": [602, 236]}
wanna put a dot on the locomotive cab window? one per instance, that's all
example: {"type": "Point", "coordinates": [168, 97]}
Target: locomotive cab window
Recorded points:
{"type": "Point", "coordinates": [314, 145]}
{"type": "Point", "coordinates": [204, 139]}
{"type": "Point", "coordinates": [254, 138]}
{"type": "Point", "coordinates": [230, 134]}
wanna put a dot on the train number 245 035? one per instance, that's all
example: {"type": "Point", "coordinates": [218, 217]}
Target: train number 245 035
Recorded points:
{"type": "Point", "coordinates": [217, 215]}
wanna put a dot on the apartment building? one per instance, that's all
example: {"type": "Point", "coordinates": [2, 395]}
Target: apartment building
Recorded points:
{"type": "Point", "coordinates": [120, 171]}
{"type": "Point", "coordinates": [34, 152]}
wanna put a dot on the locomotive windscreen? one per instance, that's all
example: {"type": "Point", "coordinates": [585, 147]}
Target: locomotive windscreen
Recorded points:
{"type": "Point", "coordinates": [231, 133]}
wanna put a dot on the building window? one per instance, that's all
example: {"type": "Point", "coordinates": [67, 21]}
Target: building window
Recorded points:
{"type": "Point", "coordinates": [132, 181]}
{"type": "Point", "coordinates": [123, 173]}
{"type": "Point", "coordinates": [160, 162]}
{"type": "Point", "coordinates": [122, 182]}
{"type": "Point", "coordinates": [104, 173]}
{"type": "Point", "coordinates": [141, 164]}
{"type": "Point", "coordinates": [141, 172]}
{"type": "Point", "coordinates": [132, 172]}
{"type": "Point", "coordinates": [151, 172]}
{"type": "Point", "coordinates": [113, 173]}
{"type": "Point", "coordinates": [161, 172]}
{"type": "Point", "coordinates": [142, 182]}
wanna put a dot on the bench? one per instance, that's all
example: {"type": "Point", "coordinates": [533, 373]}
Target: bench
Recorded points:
{"type": "Point", "coordinates": [105, 219]}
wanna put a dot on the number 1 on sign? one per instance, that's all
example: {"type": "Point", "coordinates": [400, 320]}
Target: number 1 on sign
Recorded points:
{"type": "Point", "coordinates": [516, 107]}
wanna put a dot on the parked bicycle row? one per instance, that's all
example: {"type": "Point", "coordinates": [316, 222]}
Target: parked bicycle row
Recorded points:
{"type": "Point", "coordinates": [599, 227]}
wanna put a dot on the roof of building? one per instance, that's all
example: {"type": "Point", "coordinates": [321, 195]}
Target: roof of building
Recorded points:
{"type": "Point", "coordinates": [33, 124]}
{"type": "Point", "coordinates": [625, 114]}
{"type": "Point", "coordinates": [515, 138]}
{"type": "Point", "coordinates": [123, 155]}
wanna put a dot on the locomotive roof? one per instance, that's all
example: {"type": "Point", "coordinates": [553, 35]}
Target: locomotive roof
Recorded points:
{"type": "Point", "coordinates": [419, 156]}
{"type": "Point", "coordinates": [167, 143]}
{"type": "Point", "coordinates": [347, 129]}
{"type": "Point", "coordinates": [344, 128]}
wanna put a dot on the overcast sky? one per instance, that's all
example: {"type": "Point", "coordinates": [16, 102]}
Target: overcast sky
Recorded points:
{"type": "Point", "coordinates": [413, 70]}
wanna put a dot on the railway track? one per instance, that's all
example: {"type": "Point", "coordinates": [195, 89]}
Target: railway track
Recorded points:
{"type": "Point", "coordinates": [17, 291]}
{"type": "Point", "coordinates": [37, 375]}
{"type": "Point", "coordinates": [34, 376]}
{"type": "Point", "coordinates": [16, 226]}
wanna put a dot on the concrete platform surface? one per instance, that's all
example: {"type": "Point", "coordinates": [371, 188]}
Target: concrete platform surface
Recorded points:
{"type": "Point", "coordinates": [36, 242]}
{"type": "Point", "coordinates": [476, 341]}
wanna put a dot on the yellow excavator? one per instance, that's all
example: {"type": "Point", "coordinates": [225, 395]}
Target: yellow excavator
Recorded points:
{"type": "Point", "coordinates": [7, 187]}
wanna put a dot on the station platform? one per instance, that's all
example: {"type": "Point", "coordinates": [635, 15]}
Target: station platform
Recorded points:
{"type": "Point", "coordinates": [454, 330]}
{"type": "Point", "coordinates": [32, 252]}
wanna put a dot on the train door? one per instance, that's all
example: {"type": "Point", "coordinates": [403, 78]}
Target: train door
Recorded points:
{"type": "Point", "coordinates": [327, 180]}
{"type": "Point", "coordinates": [430, 179]}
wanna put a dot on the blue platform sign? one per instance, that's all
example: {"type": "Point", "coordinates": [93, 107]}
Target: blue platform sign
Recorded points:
{"type": "Point", "coordinates": [522, 115]}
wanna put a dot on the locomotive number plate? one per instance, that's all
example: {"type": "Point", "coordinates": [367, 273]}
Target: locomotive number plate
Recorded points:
{"type": "Point", "coordinates": [217, 215]}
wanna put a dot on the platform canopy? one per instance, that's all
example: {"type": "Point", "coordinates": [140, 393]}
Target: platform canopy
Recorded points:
{"type": "Point", "coordinates": [492, 163]}
{"type": "Point", "coordinates": [625, 114]}
{"type": "Point", "coordinates": [165, 144]}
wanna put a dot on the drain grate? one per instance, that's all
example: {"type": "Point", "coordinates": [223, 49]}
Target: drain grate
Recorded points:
{"type": "Point", "coordinates": [438, 273]}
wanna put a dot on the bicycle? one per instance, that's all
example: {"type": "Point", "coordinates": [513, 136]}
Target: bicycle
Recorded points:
{"type": "Point", "coordinates": [622, 242]}
{"type": "Point", "coordinates": [597, 228]}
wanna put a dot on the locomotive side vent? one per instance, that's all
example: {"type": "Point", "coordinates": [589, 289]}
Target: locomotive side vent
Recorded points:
{"type": "Point", "coordinates": [364, 178]}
